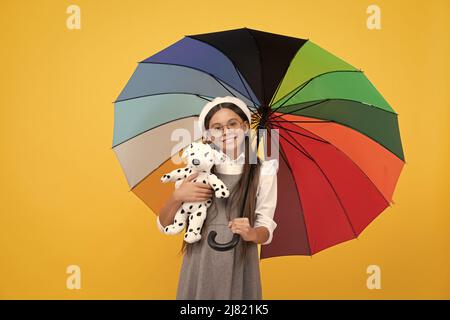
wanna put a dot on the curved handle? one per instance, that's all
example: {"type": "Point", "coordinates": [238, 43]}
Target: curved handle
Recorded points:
{"type": "Point", "coordinates": [222, 246]}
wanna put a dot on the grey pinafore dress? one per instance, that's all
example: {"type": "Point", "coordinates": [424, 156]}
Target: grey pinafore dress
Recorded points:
{"type": "Point", "coordinates": [208, 274]}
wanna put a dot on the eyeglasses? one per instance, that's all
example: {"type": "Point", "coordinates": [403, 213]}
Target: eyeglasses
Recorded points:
{"type": "Point", "coordinates": [217, 129]}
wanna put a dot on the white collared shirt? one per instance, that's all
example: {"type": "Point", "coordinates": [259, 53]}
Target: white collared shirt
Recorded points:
{"type": "Point", "coordinates": [266, 196]}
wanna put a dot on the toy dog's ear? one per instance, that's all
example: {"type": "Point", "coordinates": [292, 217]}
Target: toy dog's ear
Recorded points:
{"type": "Point", "coordinates": [206, 140]}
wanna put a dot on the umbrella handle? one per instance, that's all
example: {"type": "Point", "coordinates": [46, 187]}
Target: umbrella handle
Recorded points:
{"type": "Point", "coordinates": [222, 246]}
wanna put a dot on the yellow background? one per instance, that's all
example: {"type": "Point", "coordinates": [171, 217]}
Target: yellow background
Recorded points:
{"type": "Point", "coordinates": [64, 198]}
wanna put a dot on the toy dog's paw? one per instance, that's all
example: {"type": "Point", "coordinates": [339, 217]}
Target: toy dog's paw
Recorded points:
{"type": "Point", "coordinates": [165, 178]}
{"type": "Point", "coordinates": [174, 229]}
{"type": "Point", "coordinates": [222, 192]}
{"type": "Point", "coordinates": [192, 237]}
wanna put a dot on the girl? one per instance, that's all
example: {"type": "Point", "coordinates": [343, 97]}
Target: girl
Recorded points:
{"type": "Point", "coordinates": [233, 274]}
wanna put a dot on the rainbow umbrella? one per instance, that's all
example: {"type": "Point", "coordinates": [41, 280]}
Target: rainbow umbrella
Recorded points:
{"type": "Point", "coordinates": [340, 152]}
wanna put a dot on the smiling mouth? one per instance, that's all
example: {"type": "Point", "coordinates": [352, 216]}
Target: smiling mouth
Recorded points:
{"type": "Point", "coordinates": [229, 139]}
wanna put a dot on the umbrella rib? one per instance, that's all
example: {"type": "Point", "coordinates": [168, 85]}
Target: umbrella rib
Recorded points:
{"type": "Point", "coordinates": [202, 97]}
{"type": "Point", "coordinates": [148, 174]}
{"type": "Point", "coordinates": [298, 196]}
{"type": "Point", "coordinates": [260, 66]}
{"type": "Point", "coordinates": [300, 87]}
{"type": "Point", "coordinates": [331, 185]}
{"type": "Point", "coordinates": [159, 125]}
{"type": "Point", "coordinates": [345, 154]}
{"type": "Point", "coordinates": [298, 149]}
{"type": "Point", "coordinates": [232, 62]}
{"type": "Point", "coordinates": [302, 108]}
{"type": "Point", "coordinates": [162, 93]}
{"type": "Point", "coordinates": [219, 80]}
{"type": "Point", "coordinates": [336, 99]}
{"type": "Point", "coordinates": [302, 134]}
{"type": "Point", "coordinates": [273, 110]}
{"type": "Point", "coordinates": [341, 123]}
{"type": "Point", "coordinates": [297, 192]}
{"type": "Point", "coordinates": [284, 75]}
{"type": "Point", "coordinates": [239, 75]}
{"type": "Point", "coordinates": [303, 121]}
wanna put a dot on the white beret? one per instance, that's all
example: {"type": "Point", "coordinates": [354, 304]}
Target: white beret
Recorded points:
{"type": "Point", "coordinates": [218, 100]}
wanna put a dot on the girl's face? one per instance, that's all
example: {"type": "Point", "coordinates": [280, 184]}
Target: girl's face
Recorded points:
{"type": "Point", "coordinates": [227, 131]}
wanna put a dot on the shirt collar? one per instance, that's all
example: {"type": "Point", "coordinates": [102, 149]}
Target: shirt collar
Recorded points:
{"type": "Point", "coordinates": [231, 166]}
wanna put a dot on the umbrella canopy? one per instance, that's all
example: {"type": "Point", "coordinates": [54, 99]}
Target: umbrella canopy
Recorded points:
{"type": "Point", "coordinates": [340, 152]}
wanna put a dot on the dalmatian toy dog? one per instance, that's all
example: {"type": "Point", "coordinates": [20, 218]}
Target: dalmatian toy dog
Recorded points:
{"type": "Point", "coordinates": [200, 158]}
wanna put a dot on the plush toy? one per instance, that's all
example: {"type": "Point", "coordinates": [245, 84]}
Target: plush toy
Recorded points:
{"type": "Point", "coordinates": [200, 158]}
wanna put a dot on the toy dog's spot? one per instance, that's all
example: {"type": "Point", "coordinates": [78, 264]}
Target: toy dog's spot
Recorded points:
{"type": "Point", "coordinates": [199, 214]}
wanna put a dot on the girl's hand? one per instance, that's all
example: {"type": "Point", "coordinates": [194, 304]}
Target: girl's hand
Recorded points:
{"type": "Point", "coordinates": [242, 226]}
{"type": "Point", "coordinates": [193, 191]}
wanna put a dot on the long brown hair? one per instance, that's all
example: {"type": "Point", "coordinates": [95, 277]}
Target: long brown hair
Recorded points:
{"type": "Point", "coordinates": [250, 176]}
